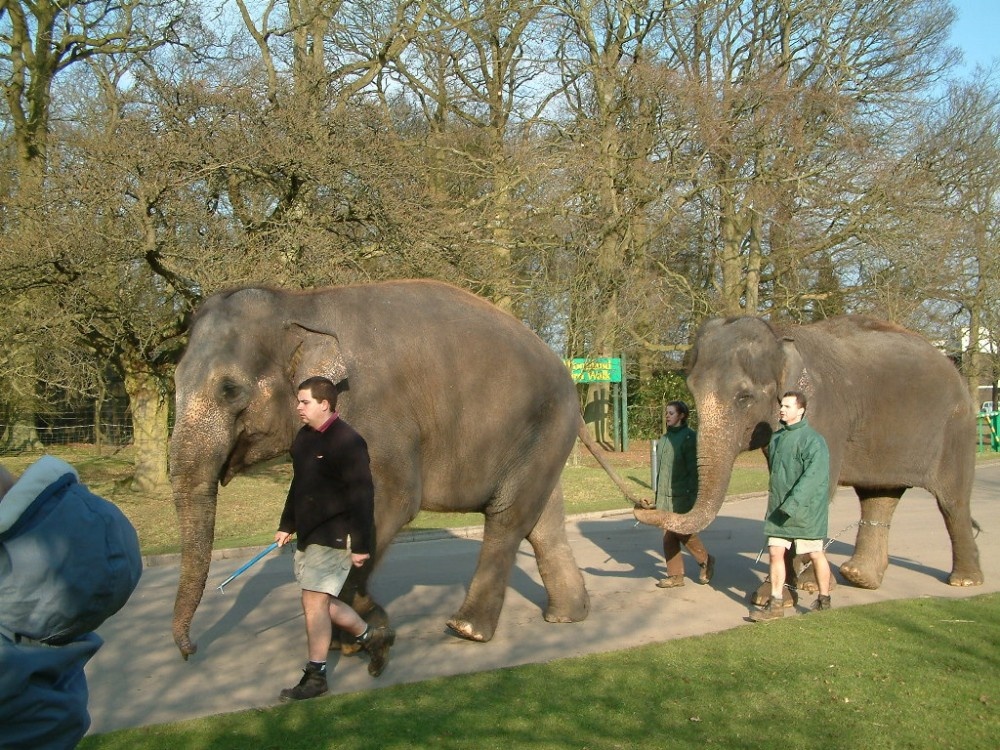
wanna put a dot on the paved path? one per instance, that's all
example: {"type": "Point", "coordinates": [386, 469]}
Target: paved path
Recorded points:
{"type": "Point", "coordinates": [252, 642]}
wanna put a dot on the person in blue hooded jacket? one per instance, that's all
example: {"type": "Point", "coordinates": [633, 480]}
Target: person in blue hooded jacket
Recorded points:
{"type": "Point", "coordinates": [68, 561]}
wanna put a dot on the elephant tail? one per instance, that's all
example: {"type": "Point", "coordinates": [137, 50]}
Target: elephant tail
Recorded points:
{"type": "Point", "coordinates": [598, 453]}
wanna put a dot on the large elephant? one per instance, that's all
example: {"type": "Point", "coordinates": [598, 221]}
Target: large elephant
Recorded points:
{"type": "Point", "coordinates": [463, 409]}
{"type": "Point", "coordinates": [894, 411]}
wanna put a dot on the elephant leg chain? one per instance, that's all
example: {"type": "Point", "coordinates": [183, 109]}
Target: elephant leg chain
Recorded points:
{"type": "Point", "coordinates": [830, 541]}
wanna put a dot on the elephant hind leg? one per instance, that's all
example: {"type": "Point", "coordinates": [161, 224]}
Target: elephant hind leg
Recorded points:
{"type": "Point", "coordinates": [477, 618]}
{"type": "Point", "coordinates": [867, 566]}
{"type": "Point", "coordinates": [805, 575]}
{"type": "Point", "coordinates": [762, 595]}
{"type": "Point", "coordinates": [965, 568]}
{"type": "Point", "coordinates": [502, 535]}
{"type": "Point", "coordinates": [568, 598]}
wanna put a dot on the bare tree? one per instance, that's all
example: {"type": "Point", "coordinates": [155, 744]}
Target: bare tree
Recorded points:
{"type": "Point", "coordinates": [953, 252]}
{"type": "Point", "coordinates": [42, 43]}
{"type": "Point", "coordinates": [475, 76]}
{"type": "Point", "coordinates": [788, 101]}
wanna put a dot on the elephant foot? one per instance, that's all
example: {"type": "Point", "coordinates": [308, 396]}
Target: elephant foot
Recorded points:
{"type": "Point", "coordinates": [345, 644]}
{"type": "Point", "coordinates": [861, 575]}
{"type": "Point", "coordinates": [575, 611]}
{"type": "Point", "coordinates": [557, 617]}
{"type": "Point", "coordinates": [806, 579]}
{"type": "Point", "coordinates": [467, 630]}
{"type": "Point", "coordinates": [762, 596]}
{"type": "Point", "coordinates": [961, 578]}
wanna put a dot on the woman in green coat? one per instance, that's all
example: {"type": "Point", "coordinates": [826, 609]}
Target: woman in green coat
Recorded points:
{"type": "Point", "coordinates": [676, 490]}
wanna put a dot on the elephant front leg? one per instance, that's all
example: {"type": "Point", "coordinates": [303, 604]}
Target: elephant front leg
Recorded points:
{"type": "Point", "coordinates": [568, 598]}
{"type": "Point", "coordinates": [867, 566]}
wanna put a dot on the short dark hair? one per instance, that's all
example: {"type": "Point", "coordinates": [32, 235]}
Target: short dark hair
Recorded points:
{"type": "Point", "coordinates": [799, 396]}
{"type": "Point", "coordinates": [681, 407]}
{"type": "Point", "coordinates": [322, 389]}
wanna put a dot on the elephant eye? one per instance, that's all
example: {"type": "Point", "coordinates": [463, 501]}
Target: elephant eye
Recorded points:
{"type": "Point", "coordinates": [230, 390]}
{"type": "Point", "coordinates": [744, 398]}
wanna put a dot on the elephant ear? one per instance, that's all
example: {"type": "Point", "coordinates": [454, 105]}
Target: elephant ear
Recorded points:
{"type": "Point", "coordinates": [316, 353]}
{"type": "Point", "coordinates": [794, 375]}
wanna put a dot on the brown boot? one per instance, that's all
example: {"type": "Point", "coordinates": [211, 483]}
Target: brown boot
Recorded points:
{"type": "Point", "coordinates": [707, 570]}
{"type": "Point", "coordinates": [377, 641]}
{"type": "Point", "coordinates": [670, 582]}
{"type": "Point", "coordinates": [774, 610]}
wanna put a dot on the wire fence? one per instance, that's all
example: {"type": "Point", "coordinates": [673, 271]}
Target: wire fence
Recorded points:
{"type": "Point", "coordinates": [112, 432]}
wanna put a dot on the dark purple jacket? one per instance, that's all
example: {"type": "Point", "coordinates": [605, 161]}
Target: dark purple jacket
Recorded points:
{"type": "Point", "coordinates": [332, 495]}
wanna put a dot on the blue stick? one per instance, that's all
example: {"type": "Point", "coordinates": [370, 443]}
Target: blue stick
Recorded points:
{"type": "Point", "coordinates": [246, 566]}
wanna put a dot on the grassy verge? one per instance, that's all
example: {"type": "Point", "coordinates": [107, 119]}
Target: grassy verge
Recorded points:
{"type": "Point", "coordinates": [904, 674]}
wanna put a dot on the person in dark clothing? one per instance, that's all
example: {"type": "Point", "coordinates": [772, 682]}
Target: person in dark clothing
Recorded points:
{"type": "Point", "coordinates": [676, 490]}
{"type": "Point", "coordinates": [798, 502]}
{"type": "Point", "coordinates": [330, 508]}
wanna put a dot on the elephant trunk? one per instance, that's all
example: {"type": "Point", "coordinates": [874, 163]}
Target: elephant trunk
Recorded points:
{"type": "Point", "coordinates": [717, 452]}
{"type": "Point", "coordinates": [196, 513]}
{"type": "Point", "coordinates": [194, 475]}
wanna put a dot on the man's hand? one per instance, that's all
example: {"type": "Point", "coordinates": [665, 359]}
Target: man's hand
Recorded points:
{"type": "Point", "coordinates": [282, 537]}
{"type": "Point", "coordinates": [358, 560]}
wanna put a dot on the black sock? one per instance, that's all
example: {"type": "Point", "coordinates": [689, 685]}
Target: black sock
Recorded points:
{"type": "Point", "coordinates": [316, 666]}
{"type": "Point", "coordinates": [366, 636]}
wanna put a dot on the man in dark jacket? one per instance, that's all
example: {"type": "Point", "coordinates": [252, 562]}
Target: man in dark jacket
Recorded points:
{"type": "Point", "coordinates": [798, 502]}
{"type": "Point", "coordinates": [68, 560]}
{"type": "Point", "coordinates": [330, 507]}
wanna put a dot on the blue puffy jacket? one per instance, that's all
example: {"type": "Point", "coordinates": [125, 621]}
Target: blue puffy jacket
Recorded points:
{"type": "Point", "coordinates": [68, 561]}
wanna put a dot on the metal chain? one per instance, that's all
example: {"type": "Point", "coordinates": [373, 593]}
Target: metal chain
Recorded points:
{"type": "Point", "coordinates": [831, 540]}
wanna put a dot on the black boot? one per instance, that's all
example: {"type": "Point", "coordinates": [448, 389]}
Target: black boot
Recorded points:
{"type": "Point", "coordinates": [822, 603]}
{"type": "Point", "coordinates": [312, 684]}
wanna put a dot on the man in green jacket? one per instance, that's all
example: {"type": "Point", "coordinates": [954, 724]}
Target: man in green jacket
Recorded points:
{"type": "Point", "coordinates": [676, 490]}
{"type": "Point", "coordinates": [798, 502]}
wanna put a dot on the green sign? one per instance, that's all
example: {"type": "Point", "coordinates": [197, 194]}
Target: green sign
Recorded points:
{"type": "Point", "coordinates": [600, 370]}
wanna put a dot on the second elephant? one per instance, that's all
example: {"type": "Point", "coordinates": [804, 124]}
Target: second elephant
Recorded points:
{"type": "Point", "coordinates": [894, 410]}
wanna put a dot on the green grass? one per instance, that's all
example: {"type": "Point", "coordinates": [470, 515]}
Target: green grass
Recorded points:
{"type": "Point", "coordinates": [921, 673]}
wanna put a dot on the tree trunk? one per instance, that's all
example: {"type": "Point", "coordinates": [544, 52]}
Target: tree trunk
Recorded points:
{"type": "Point", "coordinates": [150, 431]}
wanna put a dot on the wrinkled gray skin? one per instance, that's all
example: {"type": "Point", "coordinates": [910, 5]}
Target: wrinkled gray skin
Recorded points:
{"type": "Point", "coordinates": [894, 411]}
{"type": "Point", "coordinates": [462, 407]}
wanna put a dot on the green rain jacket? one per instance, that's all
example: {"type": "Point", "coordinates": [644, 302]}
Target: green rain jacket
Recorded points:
{"type": "Point", "coordinates": [798, 505]}
{"type": "Point", "coordinates": [677, 470]}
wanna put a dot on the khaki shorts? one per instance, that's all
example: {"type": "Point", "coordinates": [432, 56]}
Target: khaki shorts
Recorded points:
{"type": "Point", "coordinates": [322, 569]}
{"type": "Point", "coordinates": [802, 546]}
